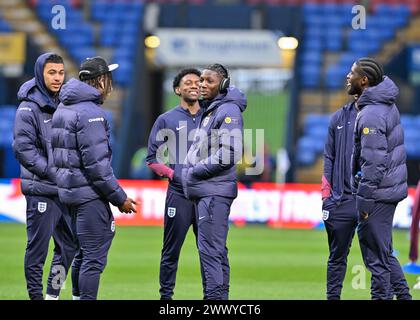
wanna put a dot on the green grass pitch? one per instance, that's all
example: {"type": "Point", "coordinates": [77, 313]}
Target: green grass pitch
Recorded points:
{"type": "Point", "coordinates": [265, 264]}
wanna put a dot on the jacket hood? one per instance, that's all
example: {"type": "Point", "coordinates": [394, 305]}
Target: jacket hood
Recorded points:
{"type": "Point", "coordinates": [233, 95]}
{"type": "Point", "coordinates": [385, 92]}
{"type": "Point", "coordinates": [35, 90]}
{"type": "Point", "coordinates": [75, 91]}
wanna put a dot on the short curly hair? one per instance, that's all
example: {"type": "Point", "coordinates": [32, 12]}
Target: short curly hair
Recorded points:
{"type": "Point", "coordinates": [181, 74]}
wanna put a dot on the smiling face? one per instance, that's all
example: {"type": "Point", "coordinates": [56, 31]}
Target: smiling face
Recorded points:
{"type": "Point", "coordinates": [356, 82]}
{"type": "Point", "coordinates": [53, 76]}
{"type": "Point", "coordinates": [209, 84]}
{"type": "Point", "coordinates": [188, 88]}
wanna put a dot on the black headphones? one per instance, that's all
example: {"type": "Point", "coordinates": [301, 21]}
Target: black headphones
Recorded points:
{"type": "Point", "coordinates": [225, 83]}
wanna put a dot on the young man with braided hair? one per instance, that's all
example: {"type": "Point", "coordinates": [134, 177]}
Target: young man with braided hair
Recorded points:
{"type": "Point", "coordinates": [174, 130]}
{"type": "Point", "coordinates": [85, 178]}
{"type": "Point", "coordinates": [379, 174]}
{"type": "Point", "coordinates": [209, 176]}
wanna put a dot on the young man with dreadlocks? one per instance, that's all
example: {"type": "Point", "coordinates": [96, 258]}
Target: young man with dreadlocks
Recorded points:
{"type": "Point", "coordinates": [379, 174]}
{"type": "Point", "coordinates": [209, 176]}
{"type": "Point", "coordinates": [85, 178]}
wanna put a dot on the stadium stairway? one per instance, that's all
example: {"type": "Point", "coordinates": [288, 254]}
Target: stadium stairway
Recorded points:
{"type": "Point", "coordinates": [21, 18]}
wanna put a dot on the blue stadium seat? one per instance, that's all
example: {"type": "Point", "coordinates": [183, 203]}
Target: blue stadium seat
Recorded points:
{"type": "Point", "coordinates": [310, 75]}
{"type": "Point", "coordinates": [313, 21]}
{"type": "Point", "coordinates": [123, 75]}
{"type": "Point", "coordinates": [335, 76]}
{"type": "Point", "coordinates": [407, 121]}
{"type": "Point", "coordinates": [11, 167]}
{"type": "Point", "coordinates": [316, 119]}
{"type": "Point", "coordinates": [305, 157]}
{"type": "Point", "coordinates": [313, 45]}
{"type": "Point", "coordinates": [411, 134]}
{"type": "Point", "coordinates": [318, 131]}
{"type": "Point", "coordinates": [81, 53]}
{"type": "Point", "coordinates": [311, 9]}
{"type": "Point", "coordinates": [333, 39]}
{"type": "Point", "coordinates": [7, 112]}
{"type": "Point", "coordinates": [4, 26]}
{"type": "Point", "coordinates": [314, 32]}
{"type": "Point", "coordinates": [416, 121]}
{"type": "Point", "coordinates": [314, 57]}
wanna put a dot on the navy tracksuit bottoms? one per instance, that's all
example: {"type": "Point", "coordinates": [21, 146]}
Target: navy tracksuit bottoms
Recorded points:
{"type": "Point", "coordinates": [47, 217]}
{"type": "Point", "coordinates": [375, 237]}
{"type": "Point", "coordinates": [179, 216]}
{"type": "Point", "coordinates": [95, 228]}
{"type": "Point", "coordinates": [212, 214]}
{"type": "Point", "coordinates": [340, 222]}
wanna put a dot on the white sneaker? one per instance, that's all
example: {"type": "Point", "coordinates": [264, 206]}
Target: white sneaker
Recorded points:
{"type": "Point", "coordinates": [51, 297]}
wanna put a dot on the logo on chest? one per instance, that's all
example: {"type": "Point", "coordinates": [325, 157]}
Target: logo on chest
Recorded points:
{"type": "Point", "coordinates": [206, 120]}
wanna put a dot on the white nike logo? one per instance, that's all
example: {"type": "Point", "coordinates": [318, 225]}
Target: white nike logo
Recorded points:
{"type": "Point", "coordinates": [46, 121]}
{"type": "Point", "coordinates": [199, 218]}
{"type": "Point", "coordinates": [339, 127]}
{"type": "Point", "coordinates": [177, 129]}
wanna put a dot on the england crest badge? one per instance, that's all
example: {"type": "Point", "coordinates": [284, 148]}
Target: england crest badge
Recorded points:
{"type": "Point", "coordinates": [325, 214]}
{"type": "Point", "coordinates": [206, 121]}
{"type": "Point", "coordinates": [171, 212]}
{"type": "Point", "coordinates": [42, 207]}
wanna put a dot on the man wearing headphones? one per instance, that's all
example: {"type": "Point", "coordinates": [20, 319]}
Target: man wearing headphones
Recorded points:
{"type": "Point", "coordinates": [209, 175]}
{"type": "Point", "coordinates": [175, 129]}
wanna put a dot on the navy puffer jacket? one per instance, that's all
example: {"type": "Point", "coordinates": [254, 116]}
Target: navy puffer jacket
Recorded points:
{"type": "Point", "coordinates": [210, 168]}
{"type": "Point", "coordinates": [379, 152]}
{"type": "Point", "coordinates": [32, 133]}
{"type": "Point", "coordinates": [82, 153]}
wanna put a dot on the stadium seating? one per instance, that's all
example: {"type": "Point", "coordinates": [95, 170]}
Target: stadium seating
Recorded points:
{"type": "Point", "coordinates": [10, 166]}
{"type": "Point", "coordinates": [327, 29]}
{"type": "Point", "coordinates": [119, 29]}
{"type": "Point", "coordinates": [311, 144]}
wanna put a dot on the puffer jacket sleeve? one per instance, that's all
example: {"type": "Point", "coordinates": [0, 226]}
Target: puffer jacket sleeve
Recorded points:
{"type": "Point", "coordinates": [226, 141]}
{"type": "Point", "coordinates": [156, 139]}
{"type": "Point", "coordinates": [25, 142]}
{"type": "Point", "coordinates": [373, 158]}
{"type": "Point", "coordinates": [329, 158]}
{"type": "Point", "coordinates": [93, 144]}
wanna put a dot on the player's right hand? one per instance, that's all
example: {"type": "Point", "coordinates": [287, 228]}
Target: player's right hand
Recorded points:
{"type": "Point", "coordinates": [128, 206]}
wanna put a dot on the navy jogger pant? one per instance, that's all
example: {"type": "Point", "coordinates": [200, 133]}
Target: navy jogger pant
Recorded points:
{"type": "Point", "coordinates": [375, 237]}
{"type": "Point", "coordinates": [47, 217]}
{"type": "Point", "coordinates": [340, 222]}
{"type": "Point", "coordinates": [212, 214]}
{"type": "Point", "coordinates": [95, 230]}
{"type": "Point", "coordinates": [179, 216]}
